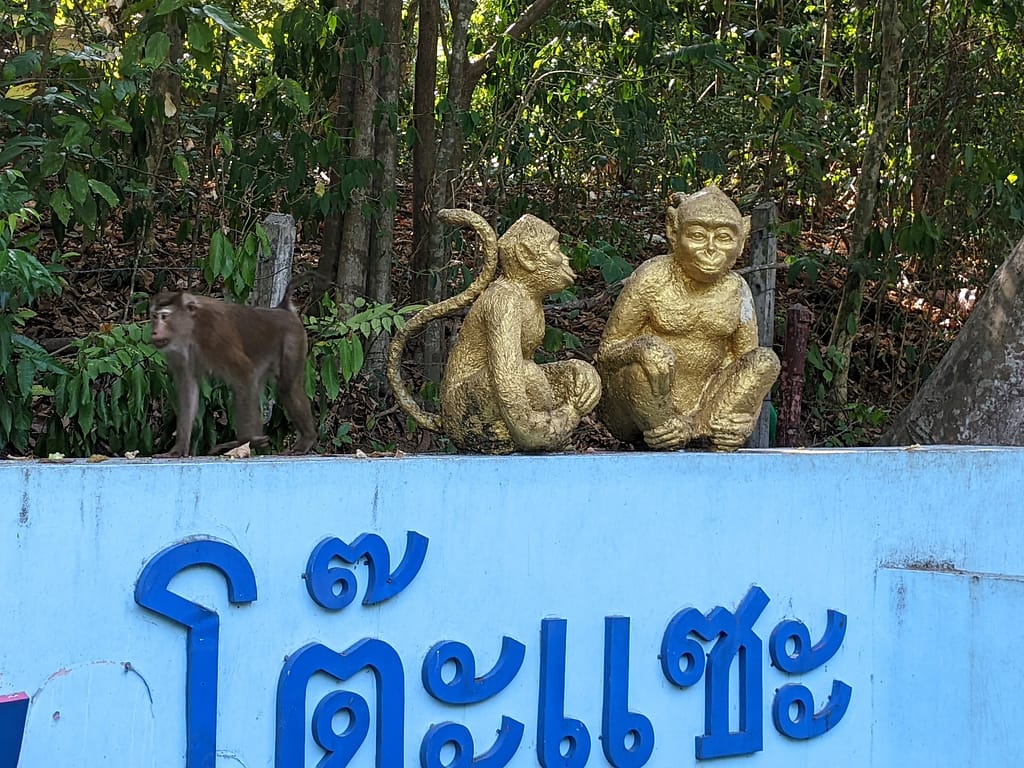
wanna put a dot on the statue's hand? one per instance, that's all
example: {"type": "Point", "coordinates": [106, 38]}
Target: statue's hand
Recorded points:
{"type": "Point", "coordinates": [659, 365]}
{"type": "Point", "coordinates": [674, 433]}
{"type": "Point", "coordinates": [731, 431]}
{"type": "Point", "coordinates": [585, 394]}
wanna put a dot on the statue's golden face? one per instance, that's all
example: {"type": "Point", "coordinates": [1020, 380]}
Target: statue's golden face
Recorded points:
{"type": "Point", "coordinates": [706, 250]}
{"type": "Point", "coordinates": [556, 262]}
{"type": "Point", "coordinates": [544, 261]}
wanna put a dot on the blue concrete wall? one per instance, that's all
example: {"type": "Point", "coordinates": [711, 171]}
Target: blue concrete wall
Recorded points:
{"type": "Point", "coordinates": [921, 550]}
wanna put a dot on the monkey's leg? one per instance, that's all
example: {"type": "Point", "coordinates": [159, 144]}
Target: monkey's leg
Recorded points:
{"type": "Point", "coordinates": [472, 417]}
{"type": "Point", "coordinates": [297, 408]}
{"type": "Point", "coordinates": [574, 382]}
{"type": "Point", "coordinates": [732, 400]}
{"type": "Point", "coordinates": [629, 406]}
{"type": "Point", "coordinates": [248, 422]}
{"type": "Point", "coordinates": [188, 406]}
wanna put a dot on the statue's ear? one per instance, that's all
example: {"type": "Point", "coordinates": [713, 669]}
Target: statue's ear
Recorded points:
{"type": "Point", "coordinates": [745, 231]}
{"type": "Point", "coordinates": [672, 219]}
{"type": "Point", "coordinates": [517, 254]}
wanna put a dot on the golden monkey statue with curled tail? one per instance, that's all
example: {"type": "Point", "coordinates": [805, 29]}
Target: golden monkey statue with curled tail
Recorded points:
{"type": "Point", "coordinates": [679, 357]}
{"type": "Point", "coordinates": [494, 397]}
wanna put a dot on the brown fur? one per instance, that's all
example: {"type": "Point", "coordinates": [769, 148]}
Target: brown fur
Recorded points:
{"type": "Point", "coordinates": [242, 346]}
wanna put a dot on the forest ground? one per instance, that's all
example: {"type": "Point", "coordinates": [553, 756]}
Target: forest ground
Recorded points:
{"type": "Point", "coordinates": [100, 279]}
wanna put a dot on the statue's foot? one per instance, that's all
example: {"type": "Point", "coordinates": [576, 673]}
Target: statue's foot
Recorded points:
{"type": "Point", "coordinates": [730, 432]}
{"type": "Point", "coordinates": [670, 435]}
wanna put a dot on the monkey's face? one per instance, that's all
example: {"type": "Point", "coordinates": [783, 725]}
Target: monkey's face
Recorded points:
{"type": "Point", "coordinates": [171, 324]}
{"type": "Point", "coordinates": [707, 250]}
{"type": "Point", "coordinates": [553, 265]}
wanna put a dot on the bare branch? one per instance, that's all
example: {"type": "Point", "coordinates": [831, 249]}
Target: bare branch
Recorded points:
{"type": "Point", "coordinates": [514, 31]}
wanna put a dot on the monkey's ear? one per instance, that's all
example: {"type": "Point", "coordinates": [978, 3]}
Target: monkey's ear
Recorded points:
{"type": "Point", "coordinates": [745, 229]}
{"type": "Point", "coordinates": [528, 258]}
{"type": "Point", "coordinates": [672, 220]}
{"type": "Point", "coordinates": [191, 302]}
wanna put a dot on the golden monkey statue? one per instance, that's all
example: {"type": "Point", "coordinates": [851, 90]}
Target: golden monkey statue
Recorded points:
{"type": "Point", "coordinates": [679, 358]}
{"type": "Point", "coordinates": [494, 397]}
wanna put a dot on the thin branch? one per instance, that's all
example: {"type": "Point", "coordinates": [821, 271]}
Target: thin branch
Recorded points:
{"type": "Point", "coordinates": [514, 31]}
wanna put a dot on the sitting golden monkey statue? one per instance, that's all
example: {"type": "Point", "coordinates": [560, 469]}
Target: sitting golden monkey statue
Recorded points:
{"type": "Point", "coordinates": [679, 359]}
{"type": "Point", "coordinates": [494, 397]}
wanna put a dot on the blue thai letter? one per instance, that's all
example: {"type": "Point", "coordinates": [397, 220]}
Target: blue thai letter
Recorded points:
{"type": "Point", "coordinates": [498, 756]}
{"type": "Point", "coordinates": [467, 688]}
{"type": "Point", "coordinates": [203, 630]}
{"type": "Point", "coordinates": [386, 666]}
{"type": "Point", "coordinates": [807, 724]}
{"type": "Point", "coordinates": [321, 577]}
{"type": "Point", "coordinates": [553, 726]}
{"type": "Point", "coordinates": [626, 737]}
{"type": "Point", "coordinates": [735, 639]}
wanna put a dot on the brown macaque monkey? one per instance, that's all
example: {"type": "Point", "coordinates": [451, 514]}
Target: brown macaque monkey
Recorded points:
{"type": "Point", "coordinates": [242, 346]}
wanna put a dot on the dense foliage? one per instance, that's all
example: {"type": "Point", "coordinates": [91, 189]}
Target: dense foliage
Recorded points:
{"type": "Point", "coordinates": [119, 121]}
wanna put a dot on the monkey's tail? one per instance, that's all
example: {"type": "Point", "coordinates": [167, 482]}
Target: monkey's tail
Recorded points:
{"type": "Point", "coordinates": [295, 282]}
{"type": "Point", "coordinates": [489, 241]}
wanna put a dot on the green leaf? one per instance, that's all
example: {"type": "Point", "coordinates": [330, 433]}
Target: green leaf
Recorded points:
{"type": "Point", "coordinates": [329, 376]}
{"type": "Point", "coordinates": [223, 18]}
{"type": "Point", "coordinates": [266, 85]}
{"type": "Point", "coordinates": [200, 36]}
{"type": "Point", "coordinates": [72, 390]}
{"type": "Point", "coordinates": [26, 372]}
{"type": "Point", "coordinates": [216, 260]}
{"type": "Point", "coordinates": [87, 211]}
{"type": "Point", "coordinates": [118, 123]}
{"type": "Point", "coordinates": [157, 47]}
{"type": "Point", "coordinates": [377, 33]}
{"type": "Point", "coordinates": [51, 163]}
{"type": "Point", "coordinates": [168, 6]}
{"type": "Point", "coordinates": [138, 396]}
{"type": "Point", "coordinates": [357, 355]}
{"type": "Point", "coordinates": [180, 165]}
{"type": "Point", "coordinates": [86, 414]}
{"type": "Point", "coordinates": [61, 206]}
{"type": "Point", "coordinates": [105, 192]}
{"type": "Point", "coordinates": [814, 358]}
{"type": "Point", "coordinates": [21, 92]}
{"type": "Point", "coordinates": [6, 417]}
{"type": "Point", "coordinates": [78, 185]}
{"type": "Point", "coordinates": [345, 358]}
{"type": "Point", "coordinates": [295, 92]}
{"type": "Point", "coordinates": [225, 142]}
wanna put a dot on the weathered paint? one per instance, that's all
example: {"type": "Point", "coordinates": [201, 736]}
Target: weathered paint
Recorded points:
{"type": "Point", "coordinates": [922, 550]}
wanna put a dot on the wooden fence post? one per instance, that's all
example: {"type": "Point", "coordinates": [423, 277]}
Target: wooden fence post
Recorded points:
{"type": "Point", "coordinates": [761, 279]}
{"type": "Point", "coordinates": [274, 269]}
{"type": "Point", "coordinates": [791, 387]}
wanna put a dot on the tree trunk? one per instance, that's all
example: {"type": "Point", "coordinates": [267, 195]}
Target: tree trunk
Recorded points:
{"type": "Point", "coordinates": [848, 316]}
{"type": "Point", "coordinates": [329, 260]}
{"type": "Point", "coordinates": [424, 150]}
{"type": "Point", "coordinates": [974, 396]}
{"type": "Point", "coordinates": [161, 127]}
{"type": "Point", "coordinates": [382, 230]}
{"type": "Point", "coordinates": [439, 162]}
{"type": "Point", "coordinates": [826, 50]}
{"type": "Point", "coordinates": [354, 246]}
{"type": "Point", "coordinates": [385, 185]}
